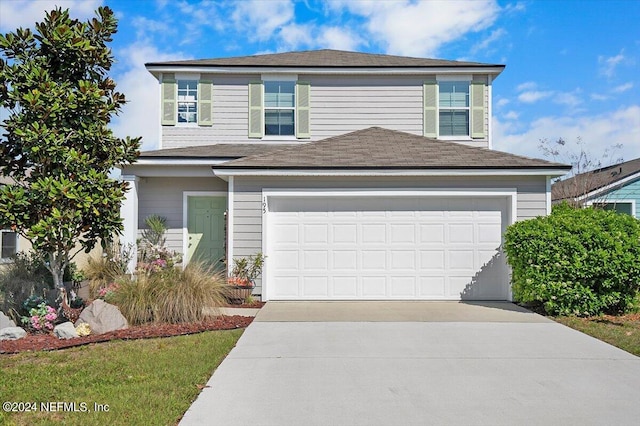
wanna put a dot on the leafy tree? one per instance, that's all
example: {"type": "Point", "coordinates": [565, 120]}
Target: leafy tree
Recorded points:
{"type": "Point", "coordinates": [56, 149]}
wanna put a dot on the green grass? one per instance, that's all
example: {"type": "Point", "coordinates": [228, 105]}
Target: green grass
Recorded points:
{"type": "Point", "coordinates": [622, 332]}
{"type": "Point", "coordinates": [144, 382]}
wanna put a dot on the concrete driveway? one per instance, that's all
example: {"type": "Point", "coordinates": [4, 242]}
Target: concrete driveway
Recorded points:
{"type": "Point", "coordinates": [417, 363]}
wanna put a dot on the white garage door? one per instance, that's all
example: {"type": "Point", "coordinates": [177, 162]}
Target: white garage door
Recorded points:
{"type": "Point", "coordinates": [381, 248]}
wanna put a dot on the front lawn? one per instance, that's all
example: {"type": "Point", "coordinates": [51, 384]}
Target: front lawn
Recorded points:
{"type": "Point", "coordinates": [139, 382]}
{"type": "Point", "coordinates": [620, 331]}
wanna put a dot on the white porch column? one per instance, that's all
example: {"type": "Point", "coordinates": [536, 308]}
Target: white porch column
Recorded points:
{"type": "Point", "coordinates": [129, 214]}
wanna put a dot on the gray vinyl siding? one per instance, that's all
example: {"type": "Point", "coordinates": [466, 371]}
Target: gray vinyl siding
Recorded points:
{"type": "Point", "coordinates": [339, 104]}
{"type": "Point", "coordinates": [342, 104]}
{"type": "Point", "coordinates": [247, 206]}
{"type": "Point", "coordinates": [230, 116]}
{"type": "Point", "coordinates": [164, 197]}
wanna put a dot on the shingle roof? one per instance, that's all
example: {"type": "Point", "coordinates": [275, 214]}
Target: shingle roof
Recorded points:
{"type": "Point", "coordinates": [378, 148]}
{"type": "Point", "coordinates": [587, 182]}
{"type": "Point", "coordinates": [226, 150]}
{"type": "Point", "coordinates": [322, 58]}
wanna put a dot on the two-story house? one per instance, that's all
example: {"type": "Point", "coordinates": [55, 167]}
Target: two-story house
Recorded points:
{"type": "Point", "coordinates": [359, 176]}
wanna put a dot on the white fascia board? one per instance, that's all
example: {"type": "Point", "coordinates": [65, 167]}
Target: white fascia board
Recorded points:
{"type": "Point", "coordinates": [610, 187]}
{"type": "Point", "coordinates": [156, 69]}
{"type": "Point", "coordinates": [178, 162]}
{"type": "Point", "coordinates": [374, 172]}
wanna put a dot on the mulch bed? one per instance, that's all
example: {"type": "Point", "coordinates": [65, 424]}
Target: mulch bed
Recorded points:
{"type": "Point", "coordinates": [46, 342]}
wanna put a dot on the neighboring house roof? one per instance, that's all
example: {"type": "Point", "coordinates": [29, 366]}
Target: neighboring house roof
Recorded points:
{"type": "Point", "coordinates": [378, 148]}
{"type": "Point", "coordinates": [593, 182]}
{"type": "Point", "coordinates": [221, 151]}
{"type": "Point", "coordinates": [322, 58]}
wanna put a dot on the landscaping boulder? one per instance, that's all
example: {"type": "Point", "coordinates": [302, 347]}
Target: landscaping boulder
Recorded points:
{"type": "Point", "coordinates": [12, 333]}
{"type": "Point", "coordinates": [5, 321]}
{"type": "Point", "coordinates": [65, 330]}
{"type": "Point", "coordinates": [102, 317]}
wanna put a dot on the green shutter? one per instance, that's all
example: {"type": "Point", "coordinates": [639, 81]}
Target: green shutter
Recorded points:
{"type": "Point", "coordinates": [205, 103]}
{"type": "Point", "coordinates": [303, 124]}
{"type": "Point", "coordinates": [256, 113]}
{"type": "Point", "coordinates": [477, 110]}
{"type": "Point", "coordinates": [430, 114]}
{"type": "Point", "coordinates": [169, 106]}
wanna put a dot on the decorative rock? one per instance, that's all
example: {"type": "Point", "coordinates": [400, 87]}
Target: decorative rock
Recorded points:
{"type": "Point", "coordinates": [65, 330]}
{"type": "Point", "coordinates": [102, 317]}
{"type": "Point", "coordinates": [12, 333]}
{"type": "Point", "coordinates": [5, 321]}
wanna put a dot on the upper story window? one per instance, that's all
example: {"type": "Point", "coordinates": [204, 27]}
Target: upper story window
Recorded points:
{"type": "Point", "coordinates": [279, 108]}
{"type": "Point", "coordinates": [453, 113]}
{"type": "Point", "coordinates": [8, 244]}
{"type": "Point", "coordinates": [187, 101]}
{"type": "Point", "coordinates": [454, 107]}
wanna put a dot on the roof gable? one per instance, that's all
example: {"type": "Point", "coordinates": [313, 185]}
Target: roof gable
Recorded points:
{"type": "Point", "coordinates": [596, 181]}
{"type": "Point", "coordinates": [378, 148]}
{"type": "Point", "coordinates": [325, 58]}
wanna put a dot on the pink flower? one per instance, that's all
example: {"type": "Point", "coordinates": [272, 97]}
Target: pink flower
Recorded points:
{"type": "Point", "coordinates": [50, 310]}
{"type": "Point", "coordinates": [51, 316]}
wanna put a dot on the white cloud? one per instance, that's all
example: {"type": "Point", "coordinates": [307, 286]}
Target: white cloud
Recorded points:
{"type": "Point", "coordinates": [25, 13]}
{"type": "Point", "coordinates": [339, 38]}
{"type": "Point", "coordinates": [502, 102]}
{"type": "Point", "coordinates": [533, 96]}
{"type": "Point", "coordinates": [599, 132]}
{"type": "Point", "coordinates": [608, 64]}
{"type": "Point", "coordinates": [420, 28]}
{"type": "Point", "coordinates": [529, 85]}
{"type": "Point", "coordinates": [511, 115]}
{"type": "Point", "coordinates": [294, 36]}
{"type": "Point", "coordinates": [599, 97]}
{"type": "Point", "coordinates": [141, 115]}
{"type": "Point", "coordinates": [622, 88]}
{"type": "Point", "coordinates": [567, 98]}
{"type": "Point", "coordinates": [484, 44]}
{"type": "Point", "coordinates": [261, 19]}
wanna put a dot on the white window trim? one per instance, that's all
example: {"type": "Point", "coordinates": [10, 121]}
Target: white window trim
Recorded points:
{"type": "Point", "coordinates": [615, 201]}
{"type": "Point", "coordinates": [186, 76]}
{"type": "Point", "coordinates": [511, 195]}
{"type": "Point", "coordinates": [453, 78]}
{"type": "Point", "coordinates": [185, 216]}
{"type": "Point", "coordinates": [279, 77]}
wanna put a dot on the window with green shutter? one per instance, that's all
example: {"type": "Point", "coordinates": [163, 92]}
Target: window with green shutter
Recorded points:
{"type": "Point", "coordinates": [168, 90]}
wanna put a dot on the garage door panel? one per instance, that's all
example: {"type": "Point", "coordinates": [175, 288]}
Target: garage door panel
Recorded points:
{"type": "Point", "coordinates": [402, 233]}
{"type": "Point", "coordinates": [386, 248]}
{"type": "Point", "coordinates": [345, 260]}
{"type": "Point", "coordinates": [403, 286]}
{"type": "Point", "coordinates": [432, 260]}
{"type": "Point", "coordinates": [316, 260]}
{"type": "Point", "coordinates": [345, 233]}
{"type": "Point", "coordinates": [432, 287]}
{"type": "Point", "coordinates": [375, 233]}
{"type": "Point", "coordinates": [460, 233]}
{"type": "Point", "coordinates": [374, 260]}
{"type": "Point", "coordinates": [403, 260]}
{"type": "Point", "coordinates": [374, 286]}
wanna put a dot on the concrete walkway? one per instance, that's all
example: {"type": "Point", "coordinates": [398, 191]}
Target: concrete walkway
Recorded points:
{"type": "Point", "coordinates": [433, 364]}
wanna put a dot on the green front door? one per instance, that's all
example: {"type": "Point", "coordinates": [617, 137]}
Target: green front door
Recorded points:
{"type": "Point", "coordinates": [205, 228]}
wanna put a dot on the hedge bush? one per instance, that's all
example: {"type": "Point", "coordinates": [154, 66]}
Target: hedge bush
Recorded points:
{"type": "Point", "coordinates": [576, 261]}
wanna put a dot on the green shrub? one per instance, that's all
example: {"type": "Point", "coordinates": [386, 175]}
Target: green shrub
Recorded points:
{"type": "Point", "coordinates": [171, 295]}
{"type": "Point", "coordinates": [24, 277]}
{"type": "Point", "coordinates": [576, 261]}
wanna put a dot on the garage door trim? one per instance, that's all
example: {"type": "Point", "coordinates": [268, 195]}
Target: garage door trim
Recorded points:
{"type": "Point", "coordinates": [269, 193]}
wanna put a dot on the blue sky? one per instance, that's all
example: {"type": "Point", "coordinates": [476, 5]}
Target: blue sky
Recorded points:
{"type": "Point", "coordinates": [573, 67]}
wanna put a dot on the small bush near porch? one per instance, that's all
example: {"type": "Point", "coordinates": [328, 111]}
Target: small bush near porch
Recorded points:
{"type": "Point", "coordinates": [579, 262]}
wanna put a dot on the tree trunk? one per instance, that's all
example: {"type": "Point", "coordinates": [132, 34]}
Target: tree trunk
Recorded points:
{"type": "Point", "coordinates": [56, 266]}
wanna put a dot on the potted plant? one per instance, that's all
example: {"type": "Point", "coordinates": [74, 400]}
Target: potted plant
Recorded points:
{"type": "Point", "coordinates": [243, 275]}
